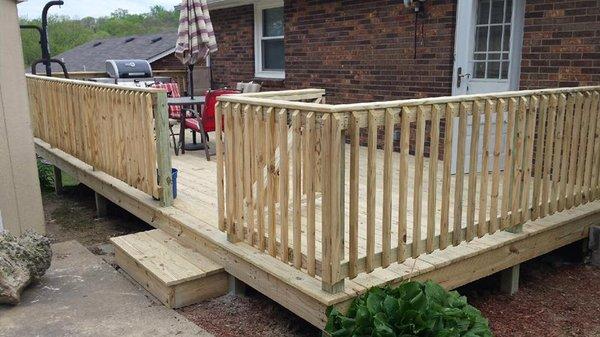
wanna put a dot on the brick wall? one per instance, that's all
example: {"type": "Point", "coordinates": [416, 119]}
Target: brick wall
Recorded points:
{"type": "Point", "coordinates": [367, 56]}
{"type": "Point", "coordinates": [169, 62]}
{"type": "Point", "coordinates": [363, 50]}
{"type": "Point", "coordinates": [561, 45]}
{"type": "Point", "coordinates": [234, 30]}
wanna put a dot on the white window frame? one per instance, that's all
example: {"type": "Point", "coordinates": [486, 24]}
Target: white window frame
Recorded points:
{"type": "Point", "coordinates": [258, 37]}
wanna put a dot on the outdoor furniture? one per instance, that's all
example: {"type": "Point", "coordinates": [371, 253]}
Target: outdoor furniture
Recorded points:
{"type": "Point", "coordinates": [204, 122]}
{"type": "Point", "coordinates": [183, 103]}
{"type": "Point", "coordinates": [248, 87]}
{"type": "Point", "coordinates": [174, 110]}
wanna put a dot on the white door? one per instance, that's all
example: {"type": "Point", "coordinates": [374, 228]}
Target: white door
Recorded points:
{"type": "Point", "coordinates": [489, 34]}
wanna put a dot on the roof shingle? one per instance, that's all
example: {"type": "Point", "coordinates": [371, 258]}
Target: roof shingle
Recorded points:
{"type": "Point", "coordinates": [91, 56]}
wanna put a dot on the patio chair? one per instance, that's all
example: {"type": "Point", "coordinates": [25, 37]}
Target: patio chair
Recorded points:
{"type": "Point", "coordinates": [204, 122]}
{"type": "Point", "coordinates": [172, 89]}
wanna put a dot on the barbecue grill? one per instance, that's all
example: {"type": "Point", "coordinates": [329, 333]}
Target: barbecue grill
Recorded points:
{"type": "Point", "coordinates": [128, 69]}
{"type": "Point", "coordinates": [130, 73]}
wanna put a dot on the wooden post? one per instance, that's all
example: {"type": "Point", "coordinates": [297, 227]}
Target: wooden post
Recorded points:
{"type": "Point", "coordinates": [509, 280]}
{"type": "Point", "coordinates": [58, 185]}
{"type": "Point", "coordinates": [220, 166]}
{"type": "Point", "coordinates": [342, 187]}
{"type": "Point", "coordinates": [236, 286]}
{"type": "Point", "coordinates": [332, 212]}
{"type": "Point", "coordinates": [101, 205]}
{"type": "Point", "coordinates": [592, 243]}
{"type": "Point", "coordinates": [163, 156]}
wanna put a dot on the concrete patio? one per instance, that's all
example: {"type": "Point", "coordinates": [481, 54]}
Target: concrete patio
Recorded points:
{"type": "Point", "coordinates": [81, 295]}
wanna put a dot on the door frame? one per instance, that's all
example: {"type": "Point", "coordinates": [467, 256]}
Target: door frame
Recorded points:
{"type": "Point", "coordinates": [465, 15]}
{"type": "Point", "coordinates": [466, 12]}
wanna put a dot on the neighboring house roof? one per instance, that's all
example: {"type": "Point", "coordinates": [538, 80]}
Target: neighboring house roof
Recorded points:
{"type": "Point", "coordinates": [218, 4]}
{"type": "Point", "coordinates": [92, 55]}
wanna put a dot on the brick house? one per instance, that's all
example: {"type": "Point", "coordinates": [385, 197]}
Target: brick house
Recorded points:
{"type": "Point", "coordinates": [365, 50]}
{"type": "Point", "coordinates": [374, 50]}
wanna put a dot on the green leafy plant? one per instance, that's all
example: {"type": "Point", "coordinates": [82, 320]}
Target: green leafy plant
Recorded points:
{"type": "Point", "coordinates": [412, 309]}
{"type": "Point", "coordinates": [46, 175]}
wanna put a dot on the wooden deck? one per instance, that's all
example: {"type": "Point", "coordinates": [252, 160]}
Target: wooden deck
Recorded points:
{"type": "Point", "coordinates": [402, 216]}
{"type": "Point", "coordinates": [193, 220]}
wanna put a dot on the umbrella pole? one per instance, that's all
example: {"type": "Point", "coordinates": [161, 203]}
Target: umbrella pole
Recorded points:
{"type": "Point", "coordinates": [191, 80]}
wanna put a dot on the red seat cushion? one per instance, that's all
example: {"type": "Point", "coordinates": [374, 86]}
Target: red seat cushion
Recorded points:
{"type": "Point", "coordinates": [172, 91]}
{"type": "Point", "coordinates": [192, 124]}
{"type": "Point", "coordinates": [208, 116]}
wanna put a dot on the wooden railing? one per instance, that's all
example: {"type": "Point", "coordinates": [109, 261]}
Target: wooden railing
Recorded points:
{"type": "Point", "coordinates": [255, 170]}
{"type": "Point", "coordinates": [117, 130]}
{"type": "Point", "coordinates": [286, 170]}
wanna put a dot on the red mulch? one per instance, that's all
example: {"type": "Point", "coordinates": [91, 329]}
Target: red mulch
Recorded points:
{"type": "Point", "coordinates": [250, 315]}
{"type": "Point", "coordinates": [556, 298]}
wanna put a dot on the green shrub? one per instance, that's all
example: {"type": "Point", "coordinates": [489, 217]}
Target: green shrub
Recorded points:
{"type": "Point", "coordinates": [46, 175]}
{"type": "Point", "coordinates": [412, 309]}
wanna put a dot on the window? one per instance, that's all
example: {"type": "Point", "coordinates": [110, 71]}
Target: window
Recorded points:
{"type": "Point", "coordinates": [491, 57]}
{"type": "Point", "coordinates": [269, 31]}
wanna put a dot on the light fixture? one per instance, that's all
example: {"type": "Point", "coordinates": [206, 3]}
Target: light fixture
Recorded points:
{"type": "Point", "coordinates": [419, 10]}
{"type": "Point", "coordinates": [418, 6]}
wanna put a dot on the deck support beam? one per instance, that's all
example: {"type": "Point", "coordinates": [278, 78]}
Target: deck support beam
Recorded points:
{"type": "Point", "coordinates": [236, 286]}
{"type": "Point", "coordinates": [58, 185]}
{"type": "Point", "coordinates": [509, 280]}
{"type": "Point", "coordinates": [594, 245]}
{"type": "Point", "coordinates": [101, 205]}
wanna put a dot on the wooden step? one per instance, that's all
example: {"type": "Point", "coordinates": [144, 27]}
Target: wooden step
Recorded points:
{"type": "Point", "coordinates": [176, 275]}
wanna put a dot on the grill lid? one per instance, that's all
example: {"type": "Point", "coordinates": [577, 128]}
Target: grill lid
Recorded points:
{"type": "Point", "coordinates": [128, 68]}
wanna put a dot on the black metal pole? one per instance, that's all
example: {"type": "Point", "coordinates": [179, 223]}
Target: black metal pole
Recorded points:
{"type": "Point", "coordinates": [212, 84]}
{"type": "Point", "coordinates": [44, 37]}
{"type": "Point", "coordinates": [191, 80]}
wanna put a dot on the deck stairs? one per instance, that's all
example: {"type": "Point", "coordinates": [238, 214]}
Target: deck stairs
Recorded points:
{"type": "Point", "coordinates": [176, 275]}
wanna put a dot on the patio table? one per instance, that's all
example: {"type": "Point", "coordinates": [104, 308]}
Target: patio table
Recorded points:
{"type": "Point", "coordinates": [195, 103]}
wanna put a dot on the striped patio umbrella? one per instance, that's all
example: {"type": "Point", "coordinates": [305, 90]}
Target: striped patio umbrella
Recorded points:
{"type": "Point", "coordinates": [195, 36]}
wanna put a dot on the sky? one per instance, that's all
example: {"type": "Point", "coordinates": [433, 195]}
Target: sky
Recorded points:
{"type": "Point", "coordinates": [81, 8]}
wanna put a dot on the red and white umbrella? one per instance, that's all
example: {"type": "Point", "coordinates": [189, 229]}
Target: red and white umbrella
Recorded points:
{"type": "Point", "coordinates": [195, 36]}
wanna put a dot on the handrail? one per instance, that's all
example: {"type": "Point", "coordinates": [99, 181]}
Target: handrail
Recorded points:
{"type": "Point", "coordinates": [288, 95]}
{"type": "Point", "coordinates": [276, 103]}
{"type": "Point", "coordinates": [456, 99]}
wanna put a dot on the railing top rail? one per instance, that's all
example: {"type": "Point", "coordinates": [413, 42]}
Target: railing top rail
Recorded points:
{"type": "Point", "coordinates": [455, 99]}
{"type": "Point", "coordinates": [276, 99]}
{"type": "Point", "coordinates": [93, 84]}
{"type": "Point", "coordinates": [266, 94]}
{"type": "Point", "coordinates": [276, 103]}
{"type": "Point", "coordinates": [78, 73]}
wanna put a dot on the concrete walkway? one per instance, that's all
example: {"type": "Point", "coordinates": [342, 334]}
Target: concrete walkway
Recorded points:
{"type": "Point", "coordinates": [81, 295]}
